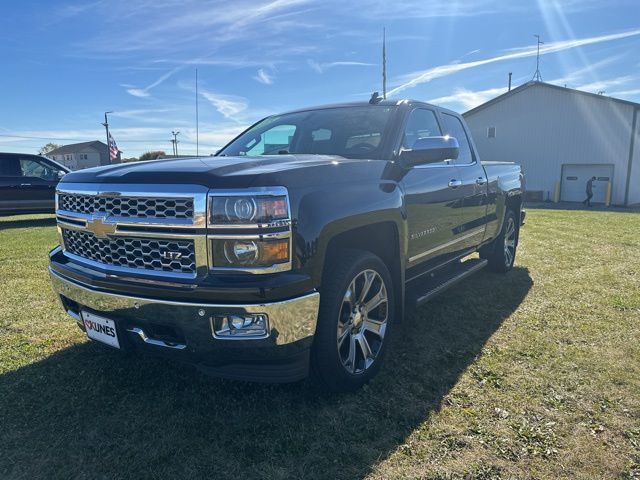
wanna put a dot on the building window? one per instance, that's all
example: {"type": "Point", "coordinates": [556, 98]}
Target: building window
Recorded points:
{"type": "Point", "coordinates": [68, 157]}
{"type": "Point", "coordinates": [83, 156]}
{"type": "Point", "coordinates": [491, 132]}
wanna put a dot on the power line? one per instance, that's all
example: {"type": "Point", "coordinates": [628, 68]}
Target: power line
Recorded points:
{"type": "Point", "coordinates": [61, 139]}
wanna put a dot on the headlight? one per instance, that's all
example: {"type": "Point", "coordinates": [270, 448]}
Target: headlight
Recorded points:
{"type": "Point", "coordinates": [248, 210]}
{"type": "Point", "coordinates": [262, 220]}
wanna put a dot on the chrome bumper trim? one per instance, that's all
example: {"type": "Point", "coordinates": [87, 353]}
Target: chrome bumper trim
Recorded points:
{"type": "Point", "coordinates": [289, 320]}
{"type": "Point", "coordinates": [158, 343]}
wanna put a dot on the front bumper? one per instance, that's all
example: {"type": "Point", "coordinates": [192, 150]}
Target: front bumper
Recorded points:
{"type": "Point", "coordinates": [183, 330]}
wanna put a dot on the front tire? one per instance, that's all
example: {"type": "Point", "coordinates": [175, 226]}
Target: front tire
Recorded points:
{"type": "Point", "coordinates": [502, 252]}
{"type": "Point", "coordinates": [356, 314]}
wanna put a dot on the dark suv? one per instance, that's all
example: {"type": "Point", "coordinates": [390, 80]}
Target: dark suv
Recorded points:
{"type": "Point", "coordinates": [28, 183]}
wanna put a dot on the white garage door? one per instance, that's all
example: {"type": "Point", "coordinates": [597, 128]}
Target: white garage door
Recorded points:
{"type": "Point", "coordinates": [574, 182]}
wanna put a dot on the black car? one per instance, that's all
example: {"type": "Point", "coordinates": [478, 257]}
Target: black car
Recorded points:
{"type": "Point", "coordinates": [28, 183]}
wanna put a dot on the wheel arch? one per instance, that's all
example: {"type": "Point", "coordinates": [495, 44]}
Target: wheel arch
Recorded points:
{"type": "Point", "coordinates": [383, 240]}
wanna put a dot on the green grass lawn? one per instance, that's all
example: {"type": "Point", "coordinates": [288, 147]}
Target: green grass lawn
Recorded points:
{"type": "Point", "coordinates": [535, 374]}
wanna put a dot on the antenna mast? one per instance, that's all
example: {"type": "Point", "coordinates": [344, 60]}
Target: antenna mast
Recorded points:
{"type": "Point", "coordinates": [384, 63]}
{"type": "Point", "coordinates": [536, 76]}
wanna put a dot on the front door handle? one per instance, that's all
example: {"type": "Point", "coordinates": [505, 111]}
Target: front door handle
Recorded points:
{"type": "Point", "coordinates": [25, 184]}
{"type": "Point", "coordinates": [480, 181]}
{"type": "Point", "coordinates": [455, 183]}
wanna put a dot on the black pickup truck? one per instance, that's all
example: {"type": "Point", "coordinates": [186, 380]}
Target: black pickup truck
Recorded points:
{"type": "Point", "coordinates": [295, 249]}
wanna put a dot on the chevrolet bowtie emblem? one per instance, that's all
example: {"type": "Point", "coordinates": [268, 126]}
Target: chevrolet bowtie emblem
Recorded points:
{"type": "Point", "coordinates": [100, 228]}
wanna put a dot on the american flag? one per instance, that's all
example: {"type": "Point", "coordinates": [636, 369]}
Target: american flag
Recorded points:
{"type": "Point", "coordinates": [113, 149]}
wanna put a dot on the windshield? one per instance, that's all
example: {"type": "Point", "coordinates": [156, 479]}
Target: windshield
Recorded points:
{"type": "Point", "coordinates": [351, 132]}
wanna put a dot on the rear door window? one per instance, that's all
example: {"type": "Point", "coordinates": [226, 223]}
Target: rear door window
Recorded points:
{"type": "Point", "coordinates": [422, 123]}
{"type": "Point", "coordinates": [453, 127]}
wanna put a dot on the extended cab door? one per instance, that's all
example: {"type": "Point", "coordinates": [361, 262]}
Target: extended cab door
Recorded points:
{"type": "Point", "coordinates": [11, 196]}
{"type": "Point", "coordinates": [472, 217]}
{"type": "Point", "coordinates": [431, 196]}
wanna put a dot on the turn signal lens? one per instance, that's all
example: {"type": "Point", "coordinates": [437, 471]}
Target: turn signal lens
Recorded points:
{"type": "Point", "coordinates": [249, 253]}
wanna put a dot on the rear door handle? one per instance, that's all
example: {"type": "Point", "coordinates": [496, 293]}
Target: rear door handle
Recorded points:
{"type": "Point", "coordinates": [455, 183]}
{"type": "Point", "coordinates": [480, 181]}
{"type": "Point", "coordinates": [25, 184]}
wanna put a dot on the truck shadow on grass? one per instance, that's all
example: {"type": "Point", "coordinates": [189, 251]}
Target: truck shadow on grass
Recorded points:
{"type": "Point", "coordinates": [87, 412]}
{"type": "Point", "coordinates": [17, 222]}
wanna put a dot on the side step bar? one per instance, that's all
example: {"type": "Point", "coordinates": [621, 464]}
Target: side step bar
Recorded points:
{"type": "Point", "coordinates": [443, 280]}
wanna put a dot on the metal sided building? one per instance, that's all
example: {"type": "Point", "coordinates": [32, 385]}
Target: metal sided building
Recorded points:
{"type": "Point", "coordinates": [563, 137]}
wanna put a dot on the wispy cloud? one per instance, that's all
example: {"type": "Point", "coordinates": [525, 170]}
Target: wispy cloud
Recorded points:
{"type": "Point", "coordinates": [625, 93]}
{"type": "Point", "coordinates": [424, 76]}
{"type": "Point", "coordinates": [321, 67]}
{"type": "Point", "coordinates": [263, 77]}
{"type": "Point", "coordinates": [171, 26]}
{"type": "Point", "coordinates": [144, 92]}
{"type": "Point", "coordinates": [468, 98]}
{"type": "Point", "coordinates": [229, 106]}
{"type": "Point", "coordinates": [604, 85]}
{"type": "Point", "coordinates": [219, 61]}
{"type": "Point", "coordinates": [164, 116]}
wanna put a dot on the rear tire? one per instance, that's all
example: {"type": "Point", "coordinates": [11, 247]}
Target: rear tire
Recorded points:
{"type": "Point", "coordinates": [355, 318]}
{"type": "Point", "coordinates": [501, 253]}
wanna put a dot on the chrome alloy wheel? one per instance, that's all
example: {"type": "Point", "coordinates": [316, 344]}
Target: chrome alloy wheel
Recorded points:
{"type": "Point", "coordinates": [509, 242]}
{"type": "Point", "coordinates": [362, 322]}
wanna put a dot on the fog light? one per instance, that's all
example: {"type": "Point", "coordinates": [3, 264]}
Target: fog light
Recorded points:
{"type": "Point", "coordinates": [242, 326]}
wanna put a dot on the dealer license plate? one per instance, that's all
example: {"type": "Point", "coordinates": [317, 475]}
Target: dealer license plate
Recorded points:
{"type": "Point", "coordinates": [101, 329]}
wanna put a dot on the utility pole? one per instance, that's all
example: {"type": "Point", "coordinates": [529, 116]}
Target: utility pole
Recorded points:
{"type": "Point", "coordinates": [536, 76]}
{"type": "Point", "coordinates": [384, 63]}
{"type": "Point", "coordinates": [175, 142]}
{"type": "Point", "coordinates": [197, 124]}
{"type": "Point", "coordinates": [106, 127]}
{"type": "Point", "coordinates": [509, 82]}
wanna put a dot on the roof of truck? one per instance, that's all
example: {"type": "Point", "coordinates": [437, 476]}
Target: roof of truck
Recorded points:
{"type": "Point", "coordinates": [388, 103]}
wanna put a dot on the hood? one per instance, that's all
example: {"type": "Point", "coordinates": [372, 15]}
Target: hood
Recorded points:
{"type": "Point", "coordinates": [228, 172]}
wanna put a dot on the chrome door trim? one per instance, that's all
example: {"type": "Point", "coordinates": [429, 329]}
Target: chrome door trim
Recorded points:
{"type": "Point", "coordinates": [469, 234]}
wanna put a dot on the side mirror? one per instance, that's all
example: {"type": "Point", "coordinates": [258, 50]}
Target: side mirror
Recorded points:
{"type": "Point", "coordinates": [430, 150]}
{"type": "Point", "coordinates": [61, 173]}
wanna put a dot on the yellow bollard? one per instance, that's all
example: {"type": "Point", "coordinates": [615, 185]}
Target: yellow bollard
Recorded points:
{"type": "Point", "coordinates": [556, 193]}
{"type": "Point", "coordinates": [607, 201]}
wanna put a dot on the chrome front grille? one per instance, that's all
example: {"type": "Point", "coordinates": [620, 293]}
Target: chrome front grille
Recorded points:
{"type": "Point", "coordinates": [136, 231]}
{"type": "Point", "coordinates": [173, 255]}
{"type": "Point", "coordinates": [126, 206]}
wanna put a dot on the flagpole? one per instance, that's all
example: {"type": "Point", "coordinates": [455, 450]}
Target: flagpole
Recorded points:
{"type": "Point", "coordinates": [384, 63]}
{"type": "Point", "coordinates": [197, 126]}
{"type": "Point", "coordinates": [106, 127]}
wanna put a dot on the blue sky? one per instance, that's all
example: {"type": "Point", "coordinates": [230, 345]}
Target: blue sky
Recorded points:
{"type": "Point", "coordinates": [65, 63]}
